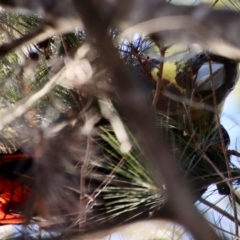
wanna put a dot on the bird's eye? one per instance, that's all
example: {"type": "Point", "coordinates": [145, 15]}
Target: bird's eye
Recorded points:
{"type": "Point", "coordinates": [201, 55]}
{"type": "Point", "coordinates": [155, 61]}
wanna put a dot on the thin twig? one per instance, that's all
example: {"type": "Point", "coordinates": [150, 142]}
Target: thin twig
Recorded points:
{"type": "Point", "coordinates": [11, 113]}
{"type": "Point", "coordinates": [220, 210]}
{"type": "Point", "coordinates": [8, 47]}
{"type": "Point", "coordinates": [159, 80]}
{"type": "Point", "coordinates": [65, 46]}
{"type": "Point", "coordinates": [83, 173]}
{"type": "Point", "coordinates": [106, 181]}
{"type": "Point", "coordinates": [223, 147]}
{"type": "Point", "coordinates": [160, 159]}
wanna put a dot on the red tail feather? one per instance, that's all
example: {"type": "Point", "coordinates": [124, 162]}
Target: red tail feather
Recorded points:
{"type": "Point", "coordinates": [13, 194]}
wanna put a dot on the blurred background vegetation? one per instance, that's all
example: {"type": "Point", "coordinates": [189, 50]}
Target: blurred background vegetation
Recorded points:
{"type": "Point", "coordinates": [118, 180]}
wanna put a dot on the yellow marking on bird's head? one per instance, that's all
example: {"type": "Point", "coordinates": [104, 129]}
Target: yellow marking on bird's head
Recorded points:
{"type": "Point", "coordinates": [169, 73]}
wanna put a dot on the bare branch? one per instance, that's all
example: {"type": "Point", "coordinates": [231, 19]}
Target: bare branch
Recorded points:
{"type": "Point", "coordinates": [161, 161]}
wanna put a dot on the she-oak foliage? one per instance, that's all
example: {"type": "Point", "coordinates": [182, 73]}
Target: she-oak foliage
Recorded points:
{"type": "Point", "coordinates": [57, 164]}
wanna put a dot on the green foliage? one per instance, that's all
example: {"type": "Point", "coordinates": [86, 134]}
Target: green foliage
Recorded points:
{"type": "Point", "coordinates": [120, 182]}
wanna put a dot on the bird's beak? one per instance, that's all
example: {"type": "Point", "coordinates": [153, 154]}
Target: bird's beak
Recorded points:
{"type": "Point", "coordinates": [204, 78]}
